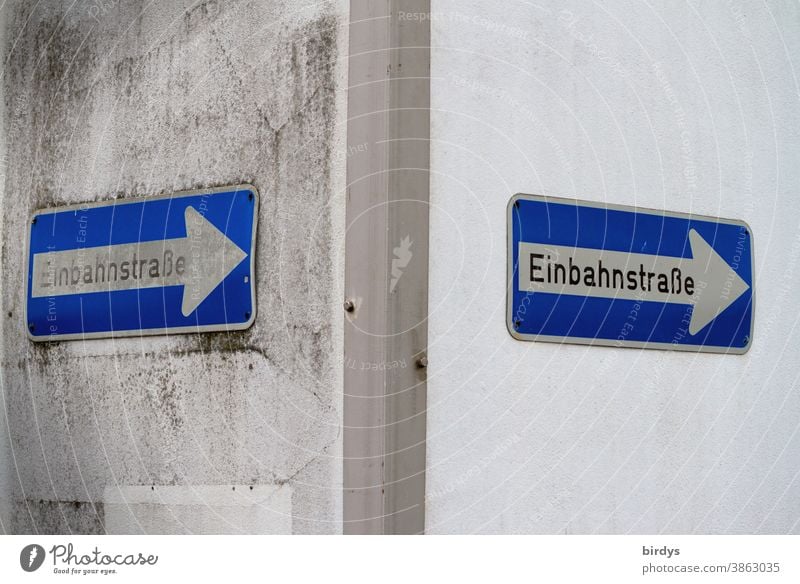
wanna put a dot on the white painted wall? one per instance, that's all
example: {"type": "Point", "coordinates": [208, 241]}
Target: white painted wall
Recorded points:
{"type": "Point", "coordinates": [686, 107]}
{"type": "Point", "coordinates": [122, 98]}
{"type": "Point", "coordinates": [216, 509]}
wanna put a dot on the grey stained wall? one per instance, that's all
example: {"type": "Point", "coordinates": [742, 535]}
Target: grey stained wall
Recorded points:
{"type": "Point", "coordinates": [5, 450]}
{"type": "Point", "coordinates": [126, 98]}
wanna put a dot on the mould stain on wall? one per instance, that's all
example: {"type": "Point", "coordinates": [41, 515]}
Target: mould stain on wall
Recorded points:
{"type": "Point", "coordinates": [138, 100]}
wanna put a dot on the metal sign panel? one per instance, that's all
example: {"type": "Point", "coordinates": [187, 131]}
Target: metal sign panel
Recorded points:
{"type": "Point", "coordinates": [598, 274]}
{"type": "Point", "coordinates": [179, 263]}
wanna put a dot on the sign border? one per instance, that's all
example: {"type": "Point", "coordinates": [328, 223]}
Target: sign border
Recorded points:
{"type": "Point", "coordinates": [617, 343]}
{"type": "Point", "coordinates": [151, 331]}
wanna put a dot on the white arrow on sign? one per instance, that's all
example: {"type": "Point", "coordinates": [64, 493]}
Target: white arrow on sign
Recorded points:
{"type": "Point", "coordinates": [199, 262]}
{"type": "Point", "coordinates": [704, 281]}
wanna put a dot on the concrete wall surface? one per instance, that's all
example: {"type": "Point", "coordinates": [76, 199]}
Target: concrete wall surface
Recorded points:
{"type": "Point", "coordinates": [684, 107]}
{"type": "Point", "coordinates": [690, 108]}
{"type": "Point", "coordinates": [121, 98]}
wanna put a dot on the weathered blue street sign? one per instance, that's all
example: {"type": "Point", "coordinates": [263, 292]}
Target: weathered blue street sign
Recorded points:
{"type": "Point", "coordinates": [178, 263]}
{"type": "Point", "coordinates": [592, 273]}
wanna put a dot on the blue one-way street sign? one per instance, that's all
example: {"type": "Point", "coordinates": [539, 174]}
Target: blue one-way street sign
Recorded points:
{"type": "Point", "coordinates": [599, 274]}
{"type": "Point", "coordinates": [176, 263]}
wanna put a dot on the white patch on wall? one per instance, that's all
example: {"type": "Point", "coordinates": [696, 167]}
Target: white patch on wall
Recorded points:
{"type": "Point", "coordinates": [198, 509]}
